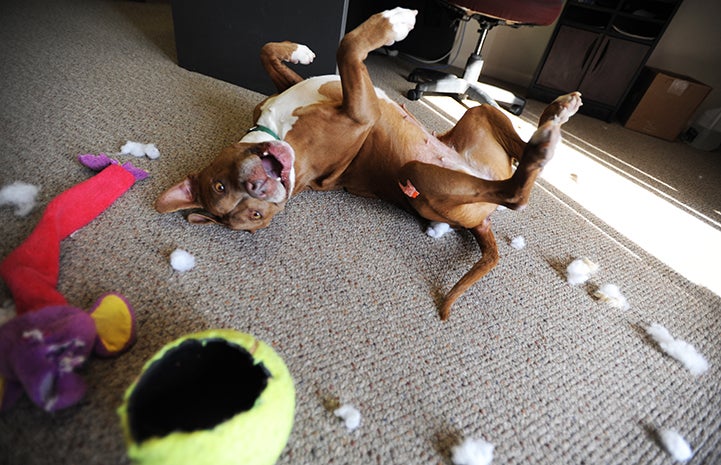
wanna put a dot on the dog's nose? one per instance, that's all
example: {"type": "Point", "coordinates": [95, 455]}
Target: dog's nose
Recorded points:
{"type": "Point", "coordinates": [257, 188]}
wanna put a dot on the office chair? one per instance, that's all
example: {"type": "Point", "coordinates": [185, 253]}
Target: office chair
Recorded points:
{"type": "Point", "coordinates": [489, 14]}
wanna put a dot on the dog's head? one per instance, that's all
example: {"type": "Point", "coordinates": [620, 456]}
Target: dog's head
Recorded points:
{"type": "Point", "coordinates": [243, 188]}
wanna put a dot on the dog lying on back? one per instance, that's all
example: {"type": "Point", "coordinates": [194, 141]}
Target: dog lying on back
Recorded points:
{"type": "Point", "coordinates": [339, 132]}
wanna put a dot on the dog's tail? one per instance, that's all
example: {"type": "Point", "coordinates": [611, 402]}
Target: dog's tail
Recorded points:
{"type": "Point", "coordinates": [489, 259]}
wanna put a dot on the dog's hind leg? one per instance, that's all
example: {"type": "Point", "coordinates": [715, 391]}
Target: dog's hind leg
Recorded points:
{"type": "Point", "coordinates": [515, 192]}
{"type": "Point", "coordinates": [460, 199]}
{"type": "Point", "coordinates": [479, 130]}
{"type": "Point", "coordinates": [274, 55]}
{"type": "Point", "coordinates": [561, 109]}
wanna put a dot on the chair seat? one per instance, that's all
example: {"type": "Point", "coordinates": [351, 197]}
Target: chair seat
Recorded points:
{"type": "Point", "coordinates": [536, 12]}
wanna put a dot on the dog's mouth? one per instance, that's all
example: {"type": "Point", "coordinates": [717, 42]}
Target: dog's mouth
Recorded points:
{"type": "Point", "coordinates": [277, 159]}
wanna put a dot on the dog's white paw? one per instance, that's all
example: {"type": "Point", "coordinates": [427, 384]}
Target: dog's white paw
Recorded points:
{"type": "Point", "coordinates": [402, 20]}
{"type": "Point", "coordinates": [437, 229]}
{"type": "Point", "coordinates": [302, 55]}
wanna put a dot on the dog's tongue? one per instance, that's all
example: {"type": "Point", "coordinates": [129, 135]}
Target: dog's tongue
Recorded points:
{"type": "Point", "coordinates": [273, 168]}
{"type": "Point", "coordinates": [277, 160]}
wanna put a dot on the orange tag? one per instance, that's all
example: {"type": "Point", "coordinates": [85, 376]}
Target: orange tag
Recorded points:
{"type": "Point", "coordinates": [409, 189]}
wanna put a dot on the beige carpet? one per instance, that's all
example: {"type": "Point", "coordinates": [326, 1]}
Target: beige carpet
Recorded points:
{"type": "Point", "coordinates": [346, 289]}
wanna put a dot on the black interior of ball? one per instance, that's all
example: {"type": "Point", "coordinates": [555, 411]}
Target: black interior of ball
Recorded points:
{"type": "Point", "coordinates": [195, 386]}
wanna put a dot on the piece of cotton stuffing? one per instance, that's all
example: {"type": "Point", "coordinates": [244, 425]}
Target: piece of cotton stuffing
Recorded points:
{"type": "Point", "coordinates": [580, 270]}
{"type": "Point", "coordinates": [437, 229]}
{"type": "Point", "coordinates": [472, 452]}
{"type": "Point", "coordinates": [181, 260]}
{"type": "Point", "coordinates": [611, 294]}
{"type": "Point", "coordinates": [21, 195]}
{"type": "Point", "coordinates": [518, 242]}
{"type": "Point", "coordinates": [678, 349]}
{"type": "Point", "coordinates": [138, 149]}
{"type": "Point", "coordinates": [675, 445]}
{"type": "Point", "coordinates": [350, 415]}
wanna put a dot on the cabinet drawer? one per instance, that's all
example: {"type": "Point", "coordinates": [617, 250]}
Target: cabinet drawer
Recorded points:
{"type": "Point", "coordinates": [612, 69]}
{"type": "Point", "coordinates": [568, 58]}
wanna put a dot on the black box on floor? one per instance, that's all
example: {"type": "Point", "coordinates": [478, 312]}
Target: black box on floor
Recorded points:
{"type": "Point", "coordinates": [223, 38]}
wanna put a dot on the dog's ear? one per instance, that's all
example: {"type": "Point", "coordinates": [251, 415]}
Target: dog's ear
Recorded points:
{"type": "Point", "coordinates": [178, 197]}
{"type": "Point", "coordinates": [200, 217]}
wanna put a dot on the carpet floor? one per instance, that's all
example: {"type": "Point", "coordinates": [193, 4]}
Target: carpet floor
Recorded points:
{"type": "Point", "coordinates": [346, 289]}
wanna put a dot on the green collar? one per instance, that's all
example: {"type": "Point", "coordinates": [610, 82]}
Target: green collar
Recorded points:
{"type": "Point", "coordinates": [264, 129]}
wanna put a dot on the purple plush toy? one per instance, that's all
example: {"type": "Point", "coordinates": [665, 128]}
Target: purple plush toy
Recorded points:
{"type": "Point", "coordinates": [40, 350]}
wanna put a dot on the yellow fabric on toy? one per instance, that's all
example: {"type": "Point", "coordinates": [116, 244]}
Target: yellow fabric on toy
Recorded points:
{"type": "Point", "coordinates": [114, 323]}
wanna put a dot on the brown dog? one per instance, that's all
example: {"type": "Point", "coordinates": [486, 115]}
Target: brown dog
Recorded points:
{"type": "Point", "coordinates": [335, 132]}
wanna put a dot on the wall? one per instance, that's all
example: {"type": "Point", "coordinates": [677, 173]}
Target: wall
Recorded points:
{"type": "Point", "coordinates": [510, 54]}
{"type": "Point", "coordinates": [690, 46]}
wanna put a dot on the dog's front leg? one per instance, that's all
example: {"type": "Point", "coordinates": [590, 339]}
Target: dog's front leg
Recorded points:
{"type": "Point", "coordinates": [360, 102]}
{"type": "Point", "coordinates": [274, 55]}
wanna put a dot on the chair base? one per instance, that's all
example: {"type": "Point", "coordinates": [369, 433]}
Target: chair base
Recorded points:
{"type": "Point", "coordinates": [468, 86]}
{"type": "Point", "coordinates": [439, 83]}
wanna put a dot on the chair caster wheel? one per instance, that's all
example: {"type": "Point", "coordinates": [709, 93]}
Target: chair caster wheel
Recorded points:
{"type": "Point", "coordinates": [414, 94]}
{"type": "Point", "coordinates": [414, 77]}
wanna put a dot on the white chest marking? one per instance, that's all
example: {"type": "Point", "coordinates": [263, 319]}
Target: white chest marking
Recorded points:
{"type": "Point", "coordinates": [276, 113]}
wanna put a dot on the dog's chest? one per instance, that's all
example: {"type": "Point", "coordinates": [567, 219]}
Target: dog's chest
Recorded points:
{"type": "Point", "coordinates": [277, 112]}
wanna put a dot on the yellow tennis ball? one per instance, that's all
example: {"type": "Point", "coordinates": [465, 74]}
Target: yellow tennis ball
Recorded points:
{"type": "Point", "coordinates": [216, 397]}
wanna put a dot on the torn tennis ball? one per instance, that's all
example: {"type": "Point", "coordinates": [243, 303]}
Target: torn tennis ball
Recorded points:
{"type": "Point", "coordinates": [215, 397]}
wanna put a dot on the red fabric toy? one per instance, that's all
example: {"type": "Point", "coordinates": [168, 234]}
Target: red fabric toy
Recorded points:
{"type": "Point", "coordinates": [43, 345]}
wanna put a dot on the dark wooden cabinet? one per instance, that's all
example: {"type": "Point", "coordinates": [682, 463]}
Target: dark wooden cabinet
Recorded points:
{"type": "Point", "coordinates": [598, 48]}
{"type": "Point", "coordinates": [223, 38]}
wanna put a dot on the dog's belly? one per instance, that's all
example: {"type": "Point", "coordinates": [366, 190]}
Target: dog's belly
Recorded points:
{"type": "Point", "coordinates": [489, 162]}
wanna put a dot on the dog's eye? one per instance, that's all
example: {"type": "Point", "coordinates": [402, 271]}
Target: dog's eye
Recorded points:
{"type": "Point", "coordinates": [256, 215]}
{"type": "Point", "coordinates": [218, 187]}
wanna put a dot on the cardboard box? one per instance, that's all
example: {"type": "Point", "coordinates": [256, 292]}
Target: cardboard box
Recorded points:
{"type": "Point", "coordinates": [661, 103]}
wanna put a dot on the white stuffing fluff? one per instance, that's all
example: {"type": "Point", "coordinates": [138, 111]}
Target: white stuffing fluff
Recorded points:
{"type": "Point", "coordinates": [675, 445]}
{"type": "Point", "coordinates": [181, 260]}
{"type": "Point", "coordinates": [472, 452]}
{"type": "Point", "coordinates": [580, 270]}
{"type": "Point", "coordinates": [518, 242]}
{"type": "Point", "coordinates": [611, 294]}
{"type": "Point", "coordinates": [21, 195]}
{"type": "Point", "coordinates": [436, 229]}
{"type": "Point", "coordinates": [138, 149]}
{"type": "Point", "coordinates": [350, 415]}
{"type": "Point", "coordinates": [678, 349]}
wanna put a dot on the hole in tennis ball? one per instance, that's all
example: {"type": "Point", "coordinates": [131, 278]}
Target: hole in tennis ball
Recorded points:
{"type": "Point", "coordinates": [195, 386]}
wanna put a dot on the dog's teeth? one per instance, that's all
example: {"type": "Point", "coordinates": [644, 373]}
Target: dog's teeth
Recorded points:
{"type": "Point", "coordinates": [265, 154]}
{"type": "Point", "coordinates": [278, 179]}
